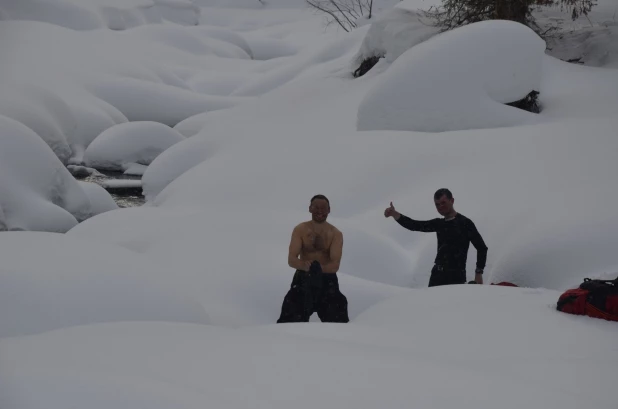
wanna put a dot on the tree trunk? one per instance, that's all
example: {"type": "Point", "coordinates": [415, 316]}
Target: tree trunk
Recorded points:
{"type": "Point", "coordinates": [514, 10]}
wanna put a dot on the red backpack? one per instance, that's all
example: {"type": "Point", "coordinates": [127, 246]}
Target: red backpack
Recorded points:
{"type": "Point", "coordinates": [595, 298]}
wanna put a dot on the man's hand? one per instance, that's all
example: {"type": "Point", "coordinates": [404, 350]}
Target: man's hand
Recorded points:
{"type": "Point", "coordinates": [390, 211]}
{"type": "Point", "coordinates": [305, 265]}
{"type": "Point", "coordinates": [478, 278]}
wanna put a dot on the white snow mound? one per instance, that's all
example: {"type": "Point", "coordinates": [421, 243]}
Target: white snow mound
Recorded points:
{"type": "Point", "coordinates": [72, 282]}
{"type": "Point", "coordinates": [36, 191]}
{"type": "Point", "coordinates": [133, 142]}
{"type": "Point", "coordinates": [174, 162]}
{"type": "Point", "coordinates": [97, 14]}
{"type": "Point", "coordinates": [458, 80]}
{"type": "Point", "coordinates": [100, 200]}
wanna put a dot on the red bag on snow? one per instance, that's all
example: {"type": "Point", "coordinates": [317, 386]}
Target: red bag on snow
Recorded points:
{"type": "Point", "coordinates": [594, 298]}
{"type": "Point", "coordinates": [505, 283]}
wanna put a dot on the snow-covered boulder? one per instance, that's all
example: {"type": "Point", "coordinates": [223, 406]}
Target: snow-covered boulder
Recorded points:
{"type": "Point", "coordinates": [42, 111]}
{"type": "Point", "coordinates": [458, 80]}
{"type": "Point", "coordinates": [100, 200]}
{"type": "Point", "coordinates": [36, 191]}
{"type": "Point", "coordinates": [73, 282]}
{"type": "Point", "coordinates": [393, 33]}
{"type": "Point", "coordinates": [172, 163]}
{"type": "Point", "coordinates": [134, 142]}
{"type": "Point", "coordinates": [92, 116]}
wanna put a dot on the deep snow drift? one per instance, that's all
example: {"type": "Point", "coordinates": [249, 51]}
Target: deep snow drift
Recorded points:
{"type": "Point", "coordinates": [519, 353]}
{"type": "Point", "coordinates": [172, 305]}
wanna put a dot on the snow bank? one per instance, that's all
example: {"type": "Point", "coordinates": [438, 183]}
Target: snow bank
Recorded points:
{"type": "Point", "coordinates": [37, 191]}
{"type": "Point", "coordinates": [69, 14]}
{"type": "Point", "coordinates": [121, 183]}
{"type": "Point", "coordinates": [595, 46]}
{"type": "Point", "coordinates": [204, 41]}
{"type": "Point", "coordinates": [234, 290]}
{"type": "Point", "coordinates": [590, 39]}
{"type": "Point", "coordinates": [458, 80]}
{"type": "Point", "coordinates": [394, 32]}
{"type": "Point", "coordinates": [134, 169]}
{"type": "Point", "coordinates": [134, 142]}
{"type": "Point", "coordinates": [43, 112]}
{"type": "Point", "coordinates": [305, 64]}
{"type": "Point", "coordinates": [144, 101]}
{"type": "Point", "coordinates": [218, 234]}
{"type": "Point", "coordinates": [192, 125]}
{"type": "Point", "coordinates": [100, 78]}
{"type": "Point", "coordinates": [405, 350]}
{"type": "Point", "coordinates": [250, 152]}
{"type": "Point", "coordinates": [72, 282]}
{"type": "Point", "coordinates": [267, 48]}
{"type": "Point", "coordinates": [100, 200]}
{"type": "Point", "coordinates": [216, 83]}
{"type": "Point", "coordinates": [92, 116]}
{"type": "Point", "coordinates": [222, 34]}
{"type": "Point", "coordinates": [174, 162]}
{"type": "Point", "coordinates": [97, 14]}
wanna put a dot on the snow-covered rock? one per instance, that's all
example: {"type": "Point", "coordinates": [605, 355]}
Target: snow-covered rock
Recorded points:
{"type": "Point", "coordinates": [134, 169]}
{"type": "Point", "coordinates": [42, 111]}
{"type": "Point", "coordinates": [36, 191]}
{"type": "Point", "coordinates": [174, 162]}
{"type": "Point", "coordinates": [458, 80]}
{"type": "Point", "coordinates": [100, 200]}
{"type": "Point", "coordinates": [133, 142]}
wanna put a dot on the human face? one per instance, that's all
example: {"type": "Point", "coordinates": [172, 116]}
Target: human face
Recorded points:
{"type": "Point", "coordinates": [444, 205]}
{"type": "Point", "coordinates": [319, 210]}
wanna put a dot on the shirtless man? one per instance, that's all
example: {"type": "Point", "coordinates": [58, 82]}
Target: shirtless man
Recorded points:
{"type": "Point", "coordinates": [315, 253]}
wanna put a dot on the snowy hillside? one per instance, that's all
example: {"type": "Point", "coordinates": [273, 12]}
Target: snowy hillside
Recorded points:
{"type": "Point", "coordinates": [237, 112]}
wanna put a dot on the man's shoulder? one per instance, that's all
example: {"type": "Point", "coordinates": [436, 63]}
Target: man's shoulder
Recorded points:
{"type": "Point", "coordinates": [335, 230]}
{"type": "Point", "coordinates": [465, 220]}
{"type": "Point", "coordinates": [301, 227]}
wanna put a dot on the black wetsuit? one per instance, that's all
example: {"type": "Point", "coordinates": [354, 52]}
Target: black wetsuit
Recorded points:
{"type": "Point", "coordinates": [454, 238]}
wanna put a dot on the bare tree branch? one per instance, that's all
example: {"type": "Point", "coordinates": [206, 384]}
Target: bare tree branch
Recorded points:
{"type": "Point", "coordinates": [343, 12]}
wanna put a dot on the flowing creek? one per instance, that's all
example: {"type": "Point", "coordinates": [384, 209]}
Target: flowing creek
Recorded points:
{"type": "Point", "coordinates": [123, 196]}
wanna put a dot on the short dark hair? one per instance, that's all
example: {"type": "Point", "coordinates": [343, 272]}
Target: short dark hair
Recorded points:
{"type": "Point", "coordinates": [443, 192]}
{"type": "Point", "coordinates": [320, 197]}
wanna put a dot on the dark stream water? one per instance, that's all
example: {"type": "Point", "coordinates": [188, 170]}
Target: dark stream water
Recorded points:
{"type": "Point", "coordinates": [124, 197]}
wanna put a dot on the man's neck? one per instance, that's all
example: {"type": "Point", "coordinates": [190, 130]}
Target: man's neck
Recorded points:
{"type": "Point", "coordinates": [451, 215]}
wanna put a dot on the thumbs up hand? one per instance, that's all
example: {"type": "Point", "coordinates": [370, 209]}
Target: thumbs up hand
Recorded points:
{"type": "Point", "coordinates": [390, 211]}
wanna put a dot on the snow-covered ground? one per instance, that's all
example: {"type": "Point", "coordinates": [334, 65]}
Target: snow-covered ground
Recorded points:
{"type": "Point", "coordinates": [173, 304]}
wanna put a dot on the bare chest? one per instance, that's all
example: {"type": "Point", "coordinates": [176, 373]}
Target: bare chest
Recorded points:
{"type": "Point", "coordinates": [317, 241]}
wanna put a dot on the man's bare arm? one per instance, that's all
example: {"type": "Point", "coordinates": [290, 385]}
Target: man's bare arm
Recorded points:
{"type": "Point", "coordinates": [296, 244]}
{"type": "Point", "coordinates": [336, 251]}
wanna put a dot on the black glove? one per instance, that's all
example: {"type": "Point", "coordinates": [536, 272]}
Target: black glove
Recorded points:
{"type": "Point", "coordinates": [315, 267]}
